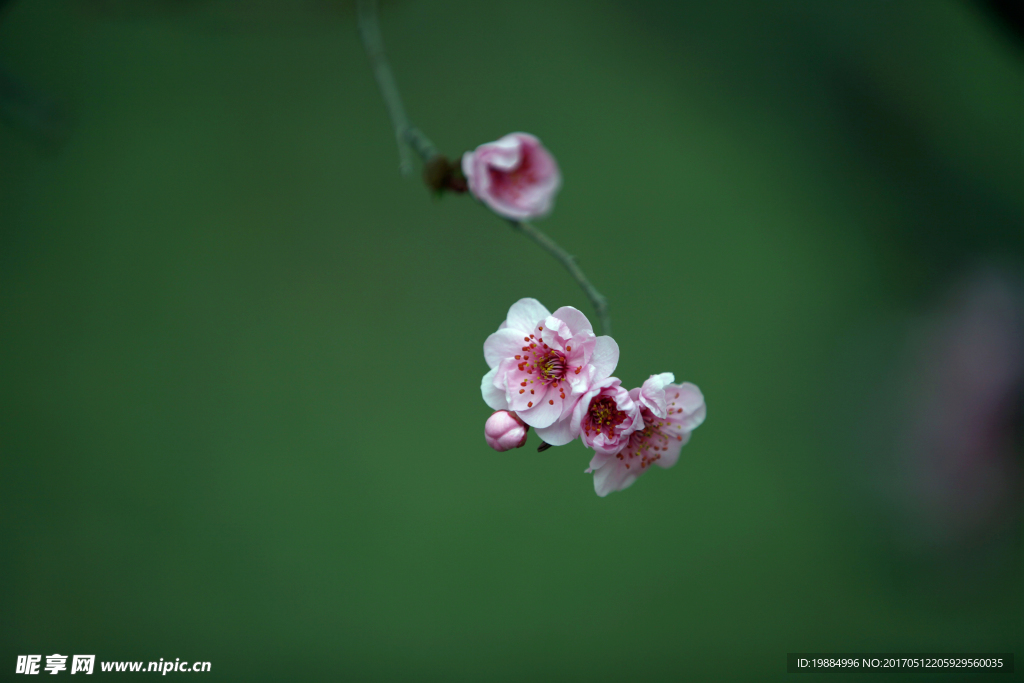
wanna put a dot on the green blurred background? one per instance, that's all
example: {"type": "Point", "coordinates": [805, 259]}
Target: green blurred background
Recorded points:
{"type": "Point", "coordinates": [240, 356]}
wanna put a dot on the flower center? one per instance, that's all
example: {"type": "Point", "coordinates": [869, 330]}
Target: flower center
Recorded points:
{"type": "Point", "coordinates": [522, 175]}
{"type": "Point", "coordinates": [645, 445]}
{"type": "Point", "coordinates": [548, 364]}
{"type": "Point", "coordinates": [538, 357]}
{"type": "Point", "coordinates": [552, 366]}
{"type": "Point", "coordinates": [603, 416]}
{"type": "Point", "coordinates": [515, 181]}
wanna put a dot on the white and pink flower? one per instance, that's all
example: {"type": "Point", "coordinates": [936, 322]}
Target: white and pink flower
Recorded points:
{"type": "Point", "coordinates": [515, 176]}
{"type": "Point", "coordinates": [670, 412]}
{"type": "Point", "coordinates": [542, 364]}
{"type": "Point", "coordinates": [606, 416]}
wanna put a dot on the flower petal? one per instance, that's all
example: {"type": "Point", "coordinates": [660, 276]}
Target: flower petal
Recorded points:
{"type": "Point", "coordinates": [504, 154]}
{"type": "Point", "coordinates": [468, 167]}
{"type": "Point", "coordinates": [494, 396]}
{"type": "Point", "coordinates": [670, 453]}
{"type": "Point", "coordinates": [690, 400]}
{"type": "Point", "coordinates": [545, 410]}
{"type": "Point", "coordinates": [612, 477]}
{"type": "Point", "coordinates": [652, 393]}
{"type": "Point", "coordinates": [574, 318]}
{"type": "Point", "coordinates": [628, 480]}
{"type": "Point", "coordinates": [560, 433]}
{"type": "Point", "coordinates": [604, 358]}
{"type": "Point", "coordinates": [598, 461]}
{"type": "Point", "coordinates": [525, 315]}
{"type": "Point", "coordinates": [519, 385]}
{"type": "Point", "coordinates": [556, 333]}
{"type": "Point", "coordinates": [582, 344]}
{"type": "Point", "coordinates": [501, 345]}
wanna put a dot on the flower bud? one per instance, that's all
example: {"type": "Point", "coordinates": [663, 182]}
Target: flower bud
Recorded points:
{"type": "Point", "coordinates": [505, 431]}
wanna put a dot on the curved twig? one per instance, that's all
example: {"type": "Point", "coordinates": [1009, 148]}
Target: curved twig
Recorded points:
{"type": "Point", "coordinates": [597, 300]}
{"type": "Point", "coordinates": [408, 137]}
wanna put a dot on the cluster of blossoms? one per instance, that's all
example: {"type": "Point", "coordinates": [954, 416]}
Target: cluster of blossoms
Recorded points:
{"type": "Point", "coordinates": [551, 372]}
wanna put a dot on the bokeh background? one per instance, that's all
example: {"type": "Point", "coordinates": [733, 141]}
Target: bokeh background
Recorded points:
{"type": "Point", "coordinates": [240, 355]}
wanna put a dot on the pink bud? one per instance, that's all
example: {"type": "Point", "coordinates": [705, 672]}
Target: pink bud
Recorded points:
{"type": "Point", "coordinates": [515, 176]}
{"type": "Point", "coordinates": [505, 431]}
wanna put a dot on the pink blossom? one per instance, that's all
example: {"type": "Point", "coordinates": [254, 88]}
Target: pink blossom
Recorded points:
{"type": "Point", "coordinates": [504, 431]}
{"type": "Point", "coordinates": [670, 412]}
{"type": "Point", "coordinates": [960, 448]}
{"type": "Point", "coordinates": [542, 363]}
{"type": "Point", "coordinates": [515, 176]}
{"type": "Point", "coordinates": [606, 416]}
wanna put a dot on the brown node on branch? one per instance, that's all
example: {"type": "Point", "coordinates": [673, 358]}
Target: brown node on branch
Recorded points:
{"type": "Point", "coordinates": [440, 174]}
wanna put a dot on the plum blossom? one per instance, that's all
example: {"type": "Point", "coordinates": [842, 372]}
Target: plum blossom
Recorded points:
{"type": "Point", "coordinates": [515, 176]}
{"type": "Point", "coordinates": [670, 412]}
{"type": "Point", "coordinates": [504, 431]}
{"type": "Point", "coordinates": [606, 416]}
{"type": "Point", "coordinates": [542, 364]}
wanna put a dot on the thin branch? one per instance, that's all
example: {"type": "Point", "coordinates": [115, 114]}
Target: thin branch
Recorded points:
{"type": "Point", "coordinates": [407, 136]}
{"type": "Point", "coordinates": [597, 300]}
